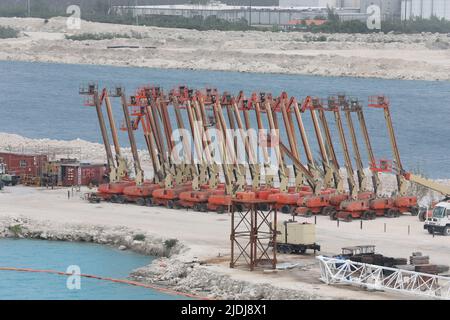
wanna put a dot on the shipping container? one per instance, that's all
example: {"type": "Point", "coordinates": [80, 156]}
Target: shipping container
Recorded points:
{"type": "Point", "coordinates": [24, 164]}
{"type": "Point", "coordinates": [82, 174]}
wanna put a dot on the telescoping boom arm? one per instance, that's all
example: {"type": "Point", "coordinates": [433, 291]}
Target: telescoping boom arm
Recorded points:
{"type": "Point", "coordinates": [116, 165]}
{"type": "Point", "coordinates": [332, 106]}
{"type": "Point", "coordinates": [312, 180]}
{"type": "Point", "coordinates": [137, 163]}
{"type": "Point", "coordinates": [430, 184]}
{"type": "Point", "coordinates": [313, 104]}
{"type": "Point", "coordinates": [284, 106]}
{"type": "Point", "coordinates": [347, 107]}
{"type": "Point", "coordinates": [249, 150]}
{"type": "Point", "coordinates": [382, 102]}
{"type": "Point", "coordinates": [232, 186]}
{"type": "Point", "coordinates": [266, 99]}
{"type": "Point", "coordinates": [120, 159]}
{"type": "Point", "coordinates": [318, 105]}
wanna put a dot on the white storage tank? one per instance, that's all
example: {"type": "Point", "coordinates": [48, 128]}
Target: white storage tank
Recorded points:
{"type": "Point", "coordinates": [296, 233]}
{"type": "Point", "coordinates": [425, 9]}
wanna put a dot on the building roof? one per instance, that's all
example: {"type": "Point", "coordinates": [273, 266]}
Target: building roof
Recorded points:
{"type": "Point", "coordinates": [82, 164]}
{"type": "Point", "coordinates": [221, 7]}
{"type": "Point", "coordinates": [19, 154]}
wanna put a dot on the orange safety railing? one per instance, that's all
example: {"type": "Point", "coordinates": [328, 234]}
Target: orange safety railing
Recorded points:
{"type": "Point", "coordinates": [382, 165]}
{"type": "Point", "coordinates": [379, 101]}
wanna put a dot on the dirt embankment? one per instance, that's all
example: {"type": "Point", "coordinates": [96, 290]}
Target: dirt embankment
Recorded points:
{"type": "Point", "coordinates": [420, 57]}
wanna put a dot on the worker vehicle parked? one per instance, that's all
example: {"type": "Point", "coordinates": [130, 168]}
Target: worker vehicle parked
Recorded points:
{"type": "Point", "coordinates": [439, 222]}
{"type": "Point", "coordinates": [7, 179]}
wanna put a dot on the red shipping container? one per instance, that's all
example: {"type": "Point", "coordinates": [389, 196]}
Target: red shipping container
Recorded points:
{"type": "Point", "coordinates": [24, 164]}
{"type": "Point", "coordinates": [82, 174]}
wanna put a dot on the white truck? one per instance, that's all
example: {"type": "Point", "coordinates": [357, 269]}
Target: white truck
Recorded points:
{"type": "Point", "coordinates": [439, 222]}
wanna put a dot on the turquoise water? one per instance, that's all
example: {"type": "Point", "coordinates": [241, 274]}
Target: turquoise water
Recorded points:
{"type": "Point", "coordinates": [91, 258]}
{"type": "Point", "coordinates": [41, 100]}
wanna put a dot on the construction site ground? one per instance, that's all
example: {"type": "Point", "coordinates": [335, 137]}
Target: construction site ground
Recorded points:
{"type": "Point", "coordinates": [379, 55]}
{"type": "Point", "coordinates": [207, 236]}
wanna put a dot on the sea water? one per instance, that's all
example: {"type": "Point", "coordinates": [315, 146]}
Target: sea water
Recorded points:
{"type": "Point", "coordinates": [41, 100]}
{"type": "Point", "coordinates": [90, 258]}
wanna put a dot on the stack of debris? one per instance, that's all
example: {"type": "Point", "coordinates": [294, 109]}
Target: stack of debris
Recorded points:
{"type": "Point", "coordinates": [421, 263]}
{"type": "Point", "coordinates": [378, 259]}
{"type": "Point", "coordinates": [417, 261]}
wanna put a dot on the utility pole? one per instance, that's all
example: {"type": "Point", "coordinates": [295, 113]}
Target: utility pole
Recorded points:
{"type": "Point", "coordinates": [136, 12]}
{"type": "Point", "coordinates": [250, 16]}
{"type": "Point", "coordinates": [29, 8]}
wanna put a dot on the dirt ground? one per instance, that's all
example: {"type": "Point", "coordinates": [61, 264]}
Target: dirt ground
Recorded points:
{"type": "Point", "coordinates": [207, 236]}
{"type": "Point", "coordinates": [420, 57]}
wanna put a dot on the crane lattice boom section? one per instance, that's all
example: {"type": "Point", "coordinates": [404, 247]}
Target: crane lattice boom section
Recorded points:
{"type": "Point", "coordinates": [338, 271]}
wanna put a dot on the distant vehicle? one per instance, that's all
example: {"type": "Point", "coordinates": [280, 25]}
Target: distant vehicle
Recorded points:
{"type": "Point", "coordinates": [425, 214]}
{"type": "Point", "coordinates": [7, 179]}
{"type": "Point", "coordinates": [439, 222]}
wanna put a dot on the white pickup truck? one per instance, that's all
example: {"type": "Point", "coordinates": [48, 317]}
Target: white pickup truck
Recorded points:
{"type": "Point", "coordinates": [439, 222]}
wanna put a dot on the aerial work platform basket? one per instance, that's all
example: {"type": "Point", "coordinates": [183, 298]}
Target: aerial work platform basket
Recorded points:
{"type": "Point", "coordinates": [382, 165]}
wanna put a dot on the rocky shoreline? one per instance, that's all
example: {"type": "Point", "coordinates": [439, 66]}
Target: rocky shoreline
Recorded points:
{"type": "Point", "coordinates": [170, 269]}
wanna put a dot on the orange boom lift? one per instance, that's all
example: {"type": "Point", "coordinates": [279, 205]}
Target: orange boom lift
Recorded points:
{"type": "Point", "coordinates": [379, 204]}
{"type": "Point", "coordinates": [141, 193]}
{"type": "Point", "coordinates": [402, 202]}
{"type": "Point", "coordinates": [169, 195]}
{"type": "Point", "coordinates": [197, 198]}
{"type": "Point", "coordinates": [117, 171]}
{"type": "Point", "coordinates": [327, 201]}
{"type": "Point", "coordinates": [287, 201]}
{"type": "Point", "coordinates": [221, 200]}
{"type": "Point", "coordinates": [357, 206]}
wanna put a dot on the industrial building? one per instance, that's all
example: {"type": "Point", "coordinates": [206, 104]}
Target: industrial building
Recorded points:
{"type": "Point", "coordinates": [320, 3]}
{"type": "Point", "coordinates": [72, 172]}
{"type": "Point", "coordinates": [390, 9]}
{"type": "Point", "coordinates": [37, 169]}
{"type": "Point", "coordinates": [23, 164]}
{"type": "Point", "coordinates": [255, 15]}
{"type": "Point", "coordinates": [425, 9]}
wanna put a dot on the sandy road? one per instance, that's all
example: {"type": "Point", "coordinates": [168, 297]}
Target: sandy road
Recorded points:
{"type": "Point", "coordinates": [207, 235]}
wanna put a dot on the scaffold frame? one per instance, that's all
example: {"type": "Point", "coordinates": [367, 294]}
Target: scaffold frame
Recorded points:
{"type": "Point", "coordinates": [252, 231]}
